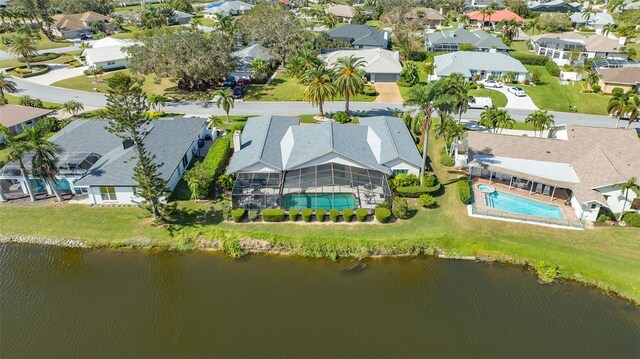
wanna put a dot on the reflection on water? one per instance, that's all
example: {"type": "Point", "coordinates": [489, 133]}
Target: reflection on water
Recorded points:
{"type": "Point", "coordinates": [57, 302]}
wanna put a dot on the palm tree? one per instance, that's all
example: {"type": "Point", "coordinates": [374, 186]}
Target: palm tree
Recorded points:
{"type": "Point", "coordinates": [17, 149]}
{"type": "Point", "coordinates": [486, 13]}
{"type": "Point", "coordinates": [608, 28]}
{"type": "Point", "coordinates": [461, 98]}
{"type": "Point", "coordinates": [630, 184]}
{"type": "Point", "coordinates": [225, 24]}
{"type": "Point", "coordinates": [449, 129]}
{"type": "Point", "coordinates": [308, 58]}
{"type": "Point", "coordinates": [489, 118]}
{"type": "Point", "coordinates": [632, 110]}
{"type": "Point", "coordinates": [505, 120]}
{"type": "Point", "coordinates": [22, 45]}
{"type": "Point", "coordinates": [510, 29]}
{"type": "Point", "coordinates": [616, 106]}
{"type": "Point", "coordinates": [428, 98]}
{"type": "Point", "coordinates": [214, 121]}
{"type": "Point", "coordinates": [224, 99]}
{"type": "Point", "coordinates": [6, 84]}
{"type": "Point", "coordinates": [73, 107]}
{"type": "Point", "coordinates": [540, 120]}
{"type": "Point", "coordinates": [330, 21]}
{"type": "Point", "coordinates": [592, 78]}
{"type": "Point", "coordinates": [464, 19]}
{"type": "Point", "coordinates": [295, 67]}
{"type": "Point", "coordinates": [319, 86]}
{"type": "Point", "coordinates": [43, 162]}
{"type": "Point", "coordinates": [349, 78]}
{"type": "Point", "coordinates": [533, 25]}
{"type": "Point", "coordinates": [157, 101]}
{"type": "Point", "coordinates": [587, 13]}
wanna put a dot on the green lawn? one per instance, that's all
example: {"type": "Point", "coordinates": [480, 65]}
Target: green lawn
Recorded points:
{"type": "Point", "coordinates": [41, 44]}
{"type": "Point", "coordinates": [553, 96]}
{"type": "Point", "coordinates": [13, 99]}
{"type": "Point", "coordinates": [520, 47]}
{"type": "Point", "coordinates": [62, 59]}
{"type": "Point", "coordinates": [4, 153]}
{"type": "Point", "coordinates": [87, 83]}
{"type": "Point", "coordinates": [288, 88]}
{"type": "Point", "coordinates": [127, 32]}
{"type": "Point", "coordinates": [499, 99]}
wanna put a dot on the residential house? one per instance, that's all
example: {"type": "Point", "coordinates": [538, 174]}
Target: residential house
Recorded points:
{"type": "Point", "coordinates": [278, 162]}
{"type": "Point", "coordinates": [425, 17]}
{"type": "Point", "coordinates": [481, 4]}
{"type": "Point", "coordinates": [344, 12]}
{"type": "Point", "coordinates": [360, 36]}
{"type": "Point", "coordinates": [227, 8]}
{"type": "Point", "coordinates": [562, 6]}
{"type": "Point", "coordinates": [478, 66]}
{"type": "Point", "coordinates": [596, 22]}
{"type": "Point", "coordinates": [626, 78]}
{"type": "Point", "coordinates": [585, 163]}
{"type": "Point", "coordinates": [15, 118]}
{"type": "Point", "coordinates": [491, 20]}
{"type": "Point", "coordinates": [180, 18]}
{"type": "Point", "coordinates": [3, 4]}
{"type": "Point", "coordinates": [108, 53]}
{"type": "Point", "coordinates": [246, 56]}
{"type": "Point", "coordinates": [630, 6]}
{"type": "Point", "coordinates": [380, 65]}
{"type": "Point", "coordinates": [71, 26]}
{"type": "Point", "coordinates": [97, 163]}
{"type": "Point", "coordinates": [450, 40]}
{"type": "Point", "coordinates": [561, 47]}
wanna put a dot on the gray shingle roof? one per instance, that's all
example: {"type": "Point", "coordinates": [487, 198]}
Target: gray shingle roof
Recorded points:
{"type": "Point", "coordinates": [479, 39]}
{"type": "Point", "coordinates": [463, 61]}
{"type": "Point", "coordinates": [358, 35]}
{"type": "Point", "coordinates": [397, 142]}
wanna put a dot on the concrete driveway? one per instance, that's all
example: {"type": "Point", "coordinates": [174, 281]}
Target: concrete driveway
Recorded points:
{"type": "Point", "coordinates": [57, 73]}
{"type": "Point", "coordinates": [387, 92]}
{"type": "Point", "coordinates": [515, 102]}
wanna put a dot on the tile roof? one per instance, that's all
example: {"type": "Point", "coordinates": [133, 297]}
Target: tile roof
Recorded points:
{"type": "Point", "coordinates": [592, 43]}
{"type": "Point", "coordinates": [69, 22]}
{"type": "Point", "coordinates": [496, 16]}
{"type": "Point", "coordinates": [11, 115]}
{"type": "Point", "coordinates": [377, 60]}
{"type": "Point", "coordinates": [429, 14]}
{"type": "Point", "coordinates": [464, 61]}
{"type": "Point", "coordinates": [341, 11]}
{"type": "Point", "coordinates": [620, 75]}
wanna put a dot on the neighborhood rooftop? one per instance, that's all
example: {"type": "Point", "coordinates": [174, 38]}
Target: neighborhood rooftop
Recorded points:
{"type": "Point", "coordinates": [463, 62]}
{"type": "Point", "coordinates": [479, 39]}
{"type": "Point", "coordinates": [591, 43]}
{"type": "Point", "coordinates": [76, 21]}
{"type": "Point", "coordinates": [358, 35]}
{"type": "Point", "coordinates": [11, 115]}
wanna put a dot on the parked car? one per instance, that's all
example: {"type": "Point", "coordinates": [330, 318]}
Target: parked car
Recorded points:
{"type": "Point", "coordinates": [238, 92]}
{"type": "Point", "coordinates": [481, 102]}
{"type": "Point", "coordinates": [517, 91]}
{"type": "Point", "coordinates": [86, 37]}
{"type": "Point", "coordinates": [491, 83]}
{"type": "Point", "coordinates": [243, 82]}
{"type": "Point", "coordinates": [229, 82]}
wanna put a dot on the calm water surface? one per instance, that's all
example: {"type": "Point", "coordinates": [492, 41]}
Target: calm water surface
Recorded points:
{"type": "Point", "coordinates": [57, 302]}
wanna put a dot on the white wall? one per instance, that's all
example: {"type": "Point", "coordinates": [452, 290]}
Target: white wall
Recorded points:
{"type": "Point", "coordinates": [105, 65]}
{"type": "Point", "coordinates": [329, 158]}
{"type": "Point", "coordinates": [124, 195]}
{"type": "Point", "coordinates": [402, 165]}
{"type": "Point", "coordinates": [615, 198]}
{"type": "Point", "coordinates": [584, 210]}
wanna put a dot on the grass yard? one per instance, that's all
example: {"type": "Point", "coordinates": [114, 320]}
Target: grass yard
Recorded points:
{"type": "Point", "coordinates": [499, 99]}
{"type": "Point", "coordinates": [13, 99]}
{"type": "Point", "coordinates": [127, 32]}
{"type": "Point", "coordinates": [287, 88]}
{"type": "Point", "coordinates": [553, 96]}
{"type": "Point", "coordinates": [41, 44]}
{"type": "Point", "coordinates": [86, 83]}
{"type": "Point", "coordinates": [520, 47]}
{"type": "Point", "coordinates": [62, 59]}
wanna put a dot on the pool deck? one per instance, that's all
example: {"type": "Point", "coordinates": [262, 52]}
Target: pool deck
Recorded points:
{"type": "Point", "coordinates": [560, 199]}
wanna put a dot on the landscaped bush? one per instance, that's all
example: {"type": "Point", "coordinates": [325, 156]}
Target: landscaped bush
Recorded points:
{"type": "Point", "coordinates": [306, 214]}
{"type": "Point", "coordinates": [382, 214]}
{"type": "Point", "coordinates": [204, 174]}
{"type": "Point", "coordinates": [596, 88]}
{"type": "Point", "coordinates": [253, 215]}
{"type": "Point", "coordinates": [403, 180]}
{"type": "Point", "coordinates": [273, 215]}
{"type": "Point", "coordinates": [361, 214]}
{"type": "Point", "coordinates": [238, 214]}
{"type": "Point", "coordinates": [334, 214]}
{"type": "Point", "coordinates": [293, 214]}
{"type": "Point", "coordinates": [320, 214]}
{"type": "Point", "coordinates": [417, 191]}
{"type": "Point", "coordinates": [400, 208]}
{"type": "Point", "coordinates": [40, 57]}
{"type": "Point", "coordinates": [347, 214]}
{"type": "Point", "coordinates": [341, 117]}
{"type": "Point", "coordinates": [617, 91]}
{"type": "Point", "coordinates": [603, 218]}
{"type": "Point", "coordinates": [446, 160]}
{"type": "Point", "coordinates": [36, 70]}
{"type": "Point", "coordinates": [427, 201]}
{"type": "Point", "coordinates": [417, 56]}
{"type": "Point", "coordinates": [369, 90]}
{"type": "Point", "coordinates": [466, 47]}
{"type": "Point", "coordinates": [553, 68]}
{"type": "Point", "coordinates": [464, 190]}
{"type": "Point", "coordinates": [530, 59]}
{"type": "Point", "coordinates": [430, 181]}
{"type": "Point", "coordinates": [632, 219]}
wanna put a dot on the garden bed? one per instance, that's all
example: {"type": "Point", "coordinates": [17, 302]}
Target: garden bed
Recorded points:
{"type": "Point", "coordinates": [23, 72]}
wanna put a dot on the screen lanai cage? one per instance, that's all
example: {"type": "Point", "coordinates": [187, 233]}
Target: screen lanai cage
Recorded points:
{"type": "Point", "coordinates": [69, 163]}
{"type": "Point", "coordinates": [324, 186]}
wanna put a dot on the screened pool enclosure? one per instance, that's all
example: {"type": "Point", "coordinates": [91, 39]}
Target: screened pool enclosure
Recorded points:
{"type": "Point", "coordinates": [324, 186]}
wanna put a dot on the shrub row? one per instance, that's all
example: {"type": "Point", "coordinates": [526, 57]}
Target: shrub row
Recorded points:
{"type": "Point", "coordinates": [417, 191]}
{"type": "Point", "coordinates": [273, 215]}
{"type": "Point", "coordinates": [530, 59]}
{"type": "Point", "coordinates": [383, 215]}
{"type": "Point", "coordinates": [552, 68]}
{"type": "Point", "coordinates": [632, 219]}
{"type": "Point", "coordinates": [212, 166]}
{"type": "Point", "coordinates": [47, 56]}
{"type": "Point", "coordinates": [238, 214]}
{"type": "Point", "coordinates": [464, 190]}
{"type": "Point", "coordinates": [24, 72]}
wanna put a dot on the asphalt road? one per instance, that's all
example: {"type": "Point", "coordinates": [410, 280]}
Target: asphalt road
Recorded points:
{"type": "Point", "coordinates": [97, 100]}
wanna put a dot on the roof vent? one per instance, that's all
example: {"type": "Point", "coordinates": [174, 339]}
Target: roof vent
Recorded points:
{"type": "Point", "coordinates": [126, 144]}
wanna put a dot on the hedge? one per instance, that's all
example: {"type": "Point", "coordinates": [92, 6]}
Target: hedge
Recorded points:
{"type": "Point", "coordinates": [215, 161]}
{"type": "Point", "coordinates": [334, 214]}
{"type": "Point", "coordinates": [418, 56]}
{"type": "Point", "coordinates": [383, 215]}
{"type": "Point", "coordinates": [464, 191]}
{"type": "Point", "coordinates": [552, 68]}
{"type": "Point", "coordinates": [347, 214]}
{"type": "Point", "coordinates": [306, 214]}
{"type": "Point", "coordinates": [361, 214]}
{"type": "Point", "coordinates": [47, 56]}
{"type": "Point", "coordinates": [273, 215]}
{"type": "Point", "coordinates": [43, 70]}
{"type": "Point", "coordinates": [320, 213]}
{"type": "Point", "coordinates": [417, 191]}
{"type": "Point", "coordinates": [427, 201]}
{"type": "Point", "coordinates": [530, 59]}
{"type": "Point", "coordinates": [238, 214]}
{"type": "Point", "coordinates": [632, 219]}
{"type": "Point", "coordinates": [293, 214]}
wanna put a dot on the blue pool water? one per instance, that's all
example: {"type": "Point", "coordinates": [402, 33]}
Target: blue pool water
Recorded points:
{"type": "Point", "coordinates": [515, 204]}
{"type": "Point", "coordinates": [320, 201]}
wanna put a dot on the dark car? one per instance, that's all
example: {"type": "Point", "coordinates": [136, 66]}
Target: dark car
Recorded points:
{"type": "Point", "coordinates": [238, 92]}
{"type": "Point", "coordinates": [229, 82]}
{"type": "Point", "coordinates": [243, 82]}
{"type": "Point", "coordinates": [86, 37]}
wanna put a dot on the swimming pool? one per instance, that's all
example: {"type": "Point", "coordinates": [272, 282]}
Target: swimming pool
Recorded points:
{"type": "Point", "coordinates": [320, 201]}
{"type": "Point", "coordinates": [515, 204]}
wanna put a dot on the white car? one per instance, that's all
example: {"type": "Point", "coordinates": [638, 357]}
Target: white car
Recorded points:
{"type": "Point", "coordinates": [481, 102]}
{"type": "Point", "coordinates": [517, 91]}
{"type": "Point", "coordinates": [491, 83]}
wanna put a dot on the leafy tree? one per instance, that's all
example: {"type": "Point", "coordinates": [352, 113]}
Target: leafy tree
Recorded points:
{"type": "Point", "coordinates": [349, 77]}
{"type": "Point", "coordinates": [225, 182]}
{"type": "Point", "coordinates": [43, 162]}
{"type": "Point", "coordinates": [180, 5]}
{"type": "Point", "coordinates": [520, 7]}
{"type": "Point", "coordinates": [6, 84]}
{"type": "Point", "coordinates": [617, 105]}
{"type": "Point", "coordinates": [22, 45]}
{"type": "Point", "coordinates": [97, 27]}
{"type": "Point", "coordinates": [410, 73]}
{"type": "Point", "coordinates": [16, 150]}
{"type": "Point", "coordinates": [625, 187]}
{"type": "Point", "coordinates": [224, 100]}
{"type": "Point", "coordinates": [157, 101]}
{"type": "Point", "coordinates": [540, 120]}
{"type": "Point", "coordinates": [319, 86]}
{"type": "Point", "coordinates": [260, 68]}
{"type": "Point", "coordinates": [104, 7]}
{"type": "Point", "coordinates": [553, 22]}
{"type": "Point", "coordinates": [73, 107]}
{"type": "Point", "coordinates": [198, 181]}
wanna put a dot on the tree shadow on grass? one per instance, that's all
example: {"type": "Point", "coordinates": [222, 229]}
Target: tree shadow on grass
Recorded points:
{"type": "Point", "coordinates": [258, 93]}
{"type": "Point", "coordinates": [184, 217]}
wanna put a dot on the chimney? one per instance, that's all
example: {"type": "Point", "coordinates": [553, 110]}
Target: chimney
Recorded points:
{"type": "Point", "coordinates": [452, 34]}
{"type": "Point", "coordinates": [386, 35]}
{"type": "Point", "coordinates": [622, 40]}
{"type": "Point", "coordinates": [126, 144]}
{"type": "Point", "coordinates": [237, 144]}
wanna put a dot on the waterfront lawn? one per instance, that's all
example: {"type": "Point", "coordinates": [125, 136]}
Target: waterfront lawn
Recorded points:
{"type": "Point", "coordinates": [553, 96]}
{"type": "Point", "coordinates": [499, 99]}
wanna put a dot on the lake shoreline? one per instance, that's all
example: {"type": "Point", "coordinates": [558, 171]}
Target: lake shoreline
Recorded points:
{"type": "Point", "coordinates": [247, 246]}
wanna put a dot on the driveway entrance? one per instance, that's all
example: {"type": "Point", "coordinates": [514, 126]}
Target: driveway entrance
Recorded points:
{"type": "Point", "coordinates": [387, 92]}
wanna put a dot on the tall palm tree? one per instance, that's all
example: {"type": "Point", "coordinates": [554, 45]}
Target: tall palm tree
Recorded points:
{"type": "Point", "coordinates": [616, 106]}
{"type": "Point", "coordinates": [319, 86]}
{"type": "Point", "coordinates": [510, 29]}
{"type": "Point", "coordinates": [225, 24]}
{"type": "Point", "coordinates": [632, 110]}
{"type": "Point", "coordinates": [489, 118]}
{"type": "Point", "coordinates": [22, 45]}
{"type": "Point", "coordinates": [349, 78]}
{"type": "Point", "coordinates": [43, 162]}
{"type": "Point", "coordinates": [6, 84]}
{"type": "Point", "coordinates": [533, 25]}
{"type": "Point", "coordinates": [630, 184]}
{"type": "Point", "coordinates": [540, 120]}
{"type": "Point", "coordinates": [157, 101]}
{"type": "Point", "coordinates": [17, 150]}
{"type": "Point", "coordinates": [505, 120]}
{"type": "Point", "coordinates": [449, 129]}
{"type": "Point", "coordinates": [330, 21]}
{"type": "Point", "coordinates": [459, 90]}
{"type": "Point", "coordinates": [224, 100]}
{"type": "Point", "coordinates": [295, 67]}
{"type": "Point", "coordinates": [309, 59]}
{"type": "Point", "coordinates": [587, 13]}
{"type": "Point", "coordinates": [428, 99]}
{"type": "Point", "coordinates": [486, 13]}
{"type": "Point", "coordinates": [608, 28]}
{"type": "Point", "coordinates": [73, 107]}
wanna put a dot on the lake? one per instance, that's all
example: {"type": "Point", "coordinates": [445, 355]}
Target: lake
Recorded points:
{"type": "Point", "coordinates": [60, 302]}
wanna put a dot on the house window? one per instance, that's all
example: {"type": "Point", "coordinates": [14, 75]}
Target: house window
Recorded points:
{"type": "Point", "coordinates": [594, 205]}
{"type": "Point", "coordinates": [109, 63]}
{"type": "Point", "coordinates": [108, 193]}
{"type": "Point", "coordinates": [397, 172]}
{"type": "Point", "coordinates": [185, 161]}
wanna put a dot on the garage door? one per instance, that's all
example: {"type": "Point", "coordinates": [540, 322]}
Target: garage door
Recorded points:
{"type": "Point", "coordinates": [384, 77]}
